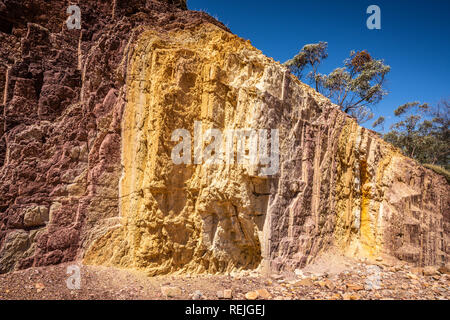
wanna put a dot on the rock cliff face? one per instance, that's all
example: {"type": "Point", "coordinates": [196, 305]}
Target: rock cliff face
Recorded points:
{"type": "Point", "coordinates": [87, 170]}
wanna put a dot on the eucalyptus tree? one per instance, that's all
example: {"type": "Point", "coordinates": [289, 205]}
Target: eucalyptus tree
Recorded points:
{"type": "Point", "coordinates": [356, 87]}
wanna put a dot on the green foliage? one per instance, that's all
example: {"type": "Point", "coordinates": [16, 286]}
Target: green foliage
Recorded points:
{"type": "Point", "coordinates": [311, 55]}
{"type": "Point", "coordinates": [422, 132]}
{"type": "Point", "coordinates": [379, 122]}
{"type": "Point", "coordinates": [355, 87]}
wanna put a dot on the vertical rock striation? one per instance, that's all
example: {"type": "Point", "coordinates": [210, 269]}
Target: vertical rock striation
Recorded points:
{"type": "Point", "coordinates": [86, 153]}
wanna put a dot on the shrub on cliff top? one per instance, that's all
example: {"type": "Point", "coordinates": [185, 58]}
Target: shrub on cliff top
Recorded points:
{"type": "Point", "coordinates": [355, 87]}
{"type": "Point", "coordinates": [423, 133]}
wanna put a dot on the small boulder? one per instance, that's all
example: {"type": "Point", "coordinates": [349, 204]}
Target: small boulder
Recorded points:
{"type": "Point", "coordinates": [299, 273]}
{"type": "Point", "coordinates": [227, 294]}
{"type": "Point", "coordinates": [252, 295]}
{"type": "Point", "coordinates": [264, 294]}
{"type": "Point", "coordinates": [304, 283]}
{"type": "Point", "coordinates": [170, 292]}
{"type": "Point", "coordinates": [430, 271]}
{"type": "Point", "coordinates": [35, 216]}
{"type": "Point", "coordinates": [444, 269]}
{"type": "Point", "coordinates": [198, 295]}
{"type": "Point", "coordinates": [354, 287]}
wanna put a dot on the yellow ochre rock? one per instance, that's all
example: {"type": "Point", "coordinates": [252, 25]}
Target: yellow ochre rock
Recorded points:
{"type": "Point", "coordinates": [336, 184]}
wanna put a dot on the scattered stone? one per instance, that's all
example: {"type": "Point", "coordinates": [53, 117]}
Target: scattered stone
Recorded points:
{"type": "Point", "coordinates": [227, 294]}
{"type": "Point", "coordinates": [198, 295]}
{"type": "Point", "coordinates": [336, 296]}
{"type": "Point", "coordinates": [430, 270]}
{"type": "Point", "coordinates": [372, 285]}
{"type": "Point", "coordinates": [404, 286]}
{"type": "Point", "coordinates": [252, 295]}
{"type": "Point", "coordinates": [444, 269]}
{"type": "Point", "coordinates": [264, 294]}
{"type": "Point", "coordinates": [170, 292]}
{"type": "Point", "coordinates": [417, 270]}
{"type": "Point", "coordinates": [354, 287]}
{"type": "Point", "coordinates": [397, 268]}
{"type": "Point", "coordinates": [299, 273]}
{"type": "Point", "coordinates": [39, 286]}
{"type": "Point", "coordinates": [253, 274]}
{"type": "Point", "coordinates": [268, 282]}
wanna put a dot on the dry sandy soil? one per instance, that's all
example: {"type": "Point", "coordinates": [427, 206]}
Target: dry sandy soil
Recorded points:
{"type": "Point", "coordinates": [338, 278]}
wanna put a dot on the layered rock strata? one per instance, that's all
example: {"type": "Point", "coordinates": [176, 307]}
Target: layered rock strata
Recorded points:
{"type": "Point", "coordinates": [88, 170]}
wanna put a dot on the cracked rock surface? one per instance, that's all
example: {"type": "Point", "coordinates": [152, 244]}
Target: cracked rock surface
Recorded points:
{"type": "Point", "coordinates": [86, 172]}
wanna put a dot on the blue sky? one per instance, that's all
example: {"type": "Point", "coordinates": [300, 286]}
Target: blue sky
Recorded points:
{"type": "Point", "coordinates": [414, 38]}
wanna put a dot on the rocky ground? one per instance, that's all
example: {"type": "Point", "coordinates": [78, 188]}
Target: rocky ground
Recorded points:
{"type": "Point", "coordinates": [345, 280]}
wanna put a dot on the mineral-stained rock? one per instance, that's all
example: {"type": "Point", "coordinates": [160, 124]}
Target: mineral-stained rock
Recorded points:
{"type": "Point", "coordinates": [86, 152]}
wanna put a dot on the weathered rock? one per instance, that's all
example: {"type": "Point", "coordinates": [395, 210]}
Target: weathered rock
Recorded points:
{"type": "Point", "coordinates": [15, 245]}
{"type": "Point", "coordinates": [354, 287]}
{"type": "Point", "coordinates": [227, 294]}
{"type": "Point", "coordinates": [35, 216]}
{"type": "Point", "coordinates": [353, 193]}
{"type": "Point", "coordinates": [264, 294]}
{"type": "Point", "coordinates": [298, 273]}
{"type": "Point", "coordinates": [412, 276]}
{"type": "Point", "coordinates": [304, 282]}
{"type": "Point", "coordinates": [60, 120]}
{"type": "Point", "coordinates": [444, 269]}
{"type": "Point", "coordinates": [351, 297]}
{"type": "Point", "coordinates": [417, 270]}
{"type": "Point", "coordinates": [430, 270]}
{"type": "Point", "coordinates": [327, 283]}
{"type": "Point", "coordinates": [198, 295]}
{"type": "Point", "coordinates": [86, 131]}
{"type": "Point", "coordinates": [39, 286]}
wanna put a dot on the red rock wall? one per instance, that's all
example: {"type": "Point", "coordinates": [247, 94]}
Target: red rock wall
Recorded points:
{"type": "Point", "coordinates": [60, 120]}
